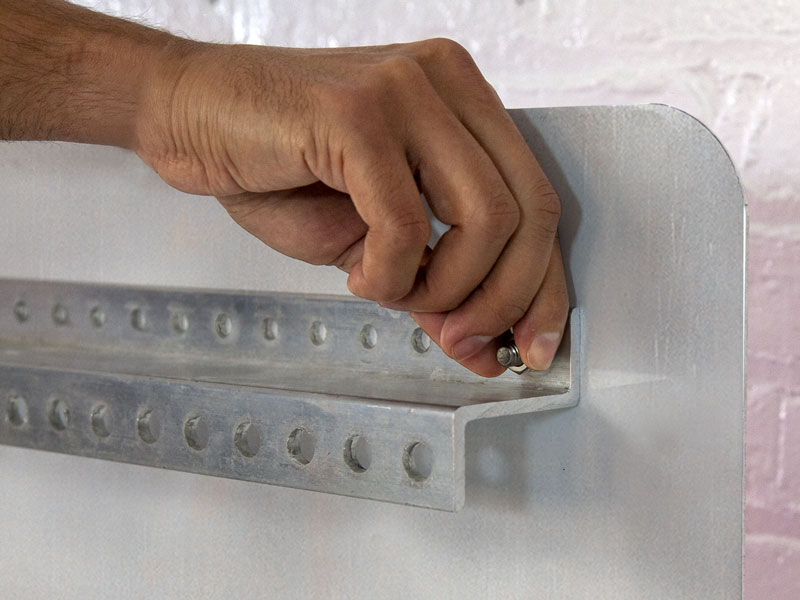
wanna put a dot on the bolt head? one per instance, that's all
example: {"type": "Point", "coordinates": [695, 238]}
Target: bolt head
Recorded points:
{"type": "Point", "coordinates": [504, 356]}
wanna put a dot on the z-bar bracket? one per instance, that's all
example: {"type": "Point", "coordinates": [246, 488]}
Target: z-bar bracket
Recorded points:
{"type": "Point", "coordinates": [332, 394]}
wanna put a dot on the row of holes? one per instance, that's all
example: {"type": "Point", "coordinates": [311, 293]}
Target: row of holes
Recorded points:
{"type": "Point", "coordinates": [223, 326]}
{"type": "Point", "coordinates": [247, 437]}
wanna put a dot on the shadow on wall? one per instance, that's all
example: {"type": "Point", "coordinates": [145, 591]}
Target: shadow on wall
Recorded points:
{"type": "Point", "coordinates": [534, 467]}
{"type": "Point", "coordinates": [568, 227]}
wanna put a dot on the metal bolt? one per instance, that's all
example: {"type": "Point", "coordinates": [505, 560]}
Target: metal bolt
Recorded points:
{"type": "Point", "coordinates": [60, 314]}
{"type": "Point", "coordinates": [318, 333]}
{"type": "Point", "coordinates": [148, 425]}
{"type": "Point", "coordinates": [21, 311]}
{"type": "Point", "coordinates": [180, 322]}
{"type": "Point", "coordinates": [420, 341]}
{"type": "Point", "coordinates": [509, 357]}
{"type": "Point", "coordinates": [97, 316]}
{"type": "Point", "coordinates": [223, 325]}
{"type": "Point", "coordinates": [100, 421]}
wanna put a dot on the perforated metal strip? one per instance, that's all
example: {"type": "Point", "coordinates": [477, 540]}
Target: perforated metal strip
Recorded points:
{"type": "Point", "coordinates": [321, 393]}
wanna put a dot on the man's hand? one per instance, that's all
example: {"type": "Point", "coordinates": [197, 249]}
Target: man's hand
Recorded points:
{"type": "Point", "coordinates": [322, 154]}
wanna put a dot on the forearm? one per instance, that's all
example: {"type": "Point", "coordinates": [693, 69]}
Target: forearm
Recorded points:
{"type": "Point", "coordinates": [70, 74]}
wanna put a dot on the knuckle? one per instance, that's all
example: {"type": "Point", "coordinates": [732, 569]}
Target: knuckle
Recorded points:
{"type": "Point", "coordinates": [439, 54]}
{"type": "Point", "coordinates": [373, 100]}
{"type": "Point", "coordinates": [348, 102]}
{"type": "Point", "coordinates": [499, 216]}
{"type": "Point", "coordinates": [397, 71]}
{"type": "Point", "coordinates": [328, 252]}
{"type": "Point", "coordinates": [556, 305]}
{"type": "Point", "coordinates": [442, 298]}
{"type": "Point", "coordinates": [501, 309]}
{"type": "Point", "coordinates": [407, 229]}
{"type": "Point", "coordinates": [486, 99]}
{"type": "Point", "coordinates": [386, 289]}
{"type": "Point", "coordinates": [448, 52]}
{"type": "Point", "coordinates": [345, 104]}
{"type": "Point", "coordinates": [560, 310]}
{"type": "Point", "coordinates": [509, 311]}
{"type": "Point", "coordinates": [547, 205]}
{"type": "Point", "coordinates": [492, 95]}
{"type": "Point", "coordinates": [506, 311]}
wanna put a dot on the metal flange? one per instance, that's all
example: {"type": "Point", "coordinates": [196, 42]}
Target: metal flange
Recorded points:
{"type": "Point", "coordinates": [324, 393]}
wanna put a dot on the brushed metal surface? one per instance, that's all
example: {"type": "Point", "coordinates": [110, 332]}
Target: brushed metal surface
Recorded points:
{"type": "Point", "coordinates": [636, 493]}
{"type": "Point", "coordinates": [84, 369]}
{"type": "Point", "coordinates": [340, 364]}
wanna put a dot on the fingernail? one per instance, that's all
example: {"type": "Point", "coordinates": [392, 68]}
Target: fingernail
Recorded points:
{"type": "Point", "coordinates": [543, 350]}
{"type": "Point", "coordinates": [470, 346]}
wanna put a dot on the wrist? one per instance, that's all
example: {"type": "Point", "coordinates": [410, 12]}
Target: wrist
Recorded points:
{"type": "Point", "coordinates": [133, 76]}
{"type": "Point", "coordinates": [165, 67]}
{"type": "Point", "coordinates": [71, 74]}
{"type": "Point", "coordinates": [176, 105]}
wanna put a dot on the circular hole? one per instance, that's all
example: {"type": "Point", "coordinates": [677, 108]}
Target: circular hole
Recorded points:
{"type": "Point", "coordinates": [138, 319]}
{"type": "Point", "coordinates": [301, 445]}
{"type": "Point", "coordinates": [101, 421]}
{"type": "Point", "coordinates": [17, 410]}
{"type": "Point", "coordinates": [420, 341]}
{"type": "Point", "coordinates": [270, 328]}
{"type": "Point", "coordinates": [357, 454]}
{"type": "Point", "coordinates": [60, 314]}
{"type": "Point", "coordinates": [369, 336]}
{"type": "Point", "coordinates": [223, 325]}
{"type": "Point", "coordinates": [58, 414]}
{"type": "Point", "coordinates": [148, 426]}
{"type": "Point", "coordinates": [196, 432]}
{"type": "Point", "coordinates": [418, 461]}
{"type": "Point", "coordinates": [318, 333]}
{"type": "Point", "coordinates": [180, 322]}
{"type": "Point", "coordinates": [97, 316]}
{"type": "Point", "coordinates": [21, 311]}
{"type": "Point", "coordinates": [247, 439]}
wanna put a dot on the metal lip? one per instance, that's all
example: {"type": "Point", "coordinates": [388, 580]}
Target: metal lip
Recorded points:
{"type": "Point", "coordinates": [316, 382]}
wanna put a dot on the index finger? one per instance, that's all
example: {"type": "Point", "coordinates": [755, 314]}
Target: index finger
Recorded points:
{"type": "Point", "coordinates": [385, 195]}
{"type": "Point", "coordinates": [466, 191]}
{"type": "Point", "coordinates": [516, 279]}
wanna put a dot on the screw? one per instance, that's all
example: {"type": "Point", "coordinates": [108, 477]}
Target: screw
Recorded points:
{"type": "Point", "coordinates": [21, 311]}
{"type": "Point", "coordinates": [223, 325]}
{"type": "Point", "coordinates": [97, 316]}
{"type": "Point", "coordinates": [509, 357]}
{"type": "Point", "coordinates": [60, 314]}
{"type": "Point", "coordinates": [180, 322]}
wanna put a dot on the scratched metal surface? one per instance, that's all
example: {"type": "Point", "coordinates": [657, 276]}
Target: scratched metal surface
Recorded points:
{"type": "Point", "coordinates": [391, 369]}
{"type": "Point", "coordinates": [636, 493]}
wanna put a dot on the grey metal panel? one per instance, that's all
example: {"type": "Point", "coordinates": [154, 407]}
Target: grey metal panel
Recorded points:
{"type": "Point", "coordinates": [636, 493]}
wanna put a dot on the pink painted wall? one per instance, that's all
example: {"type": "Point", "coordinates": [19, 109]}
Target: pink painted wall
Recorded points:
{"type": "Point", "coordinates": [735, 64]}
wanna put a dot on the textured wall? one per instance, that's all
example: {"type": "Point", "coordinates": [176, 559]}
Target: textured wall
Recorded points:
{"type": "Point", "coordinates": [734, 64]}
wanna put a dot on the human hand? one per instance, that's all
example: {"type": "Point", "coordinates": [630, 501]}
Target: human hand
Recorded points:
{"type": "Point", "coordinates": [322, 154]}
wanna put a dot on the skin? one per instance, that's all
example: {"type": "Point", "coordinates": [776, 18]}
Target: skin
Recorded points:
{"type": "Point", "coordinates": [322, 155]}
